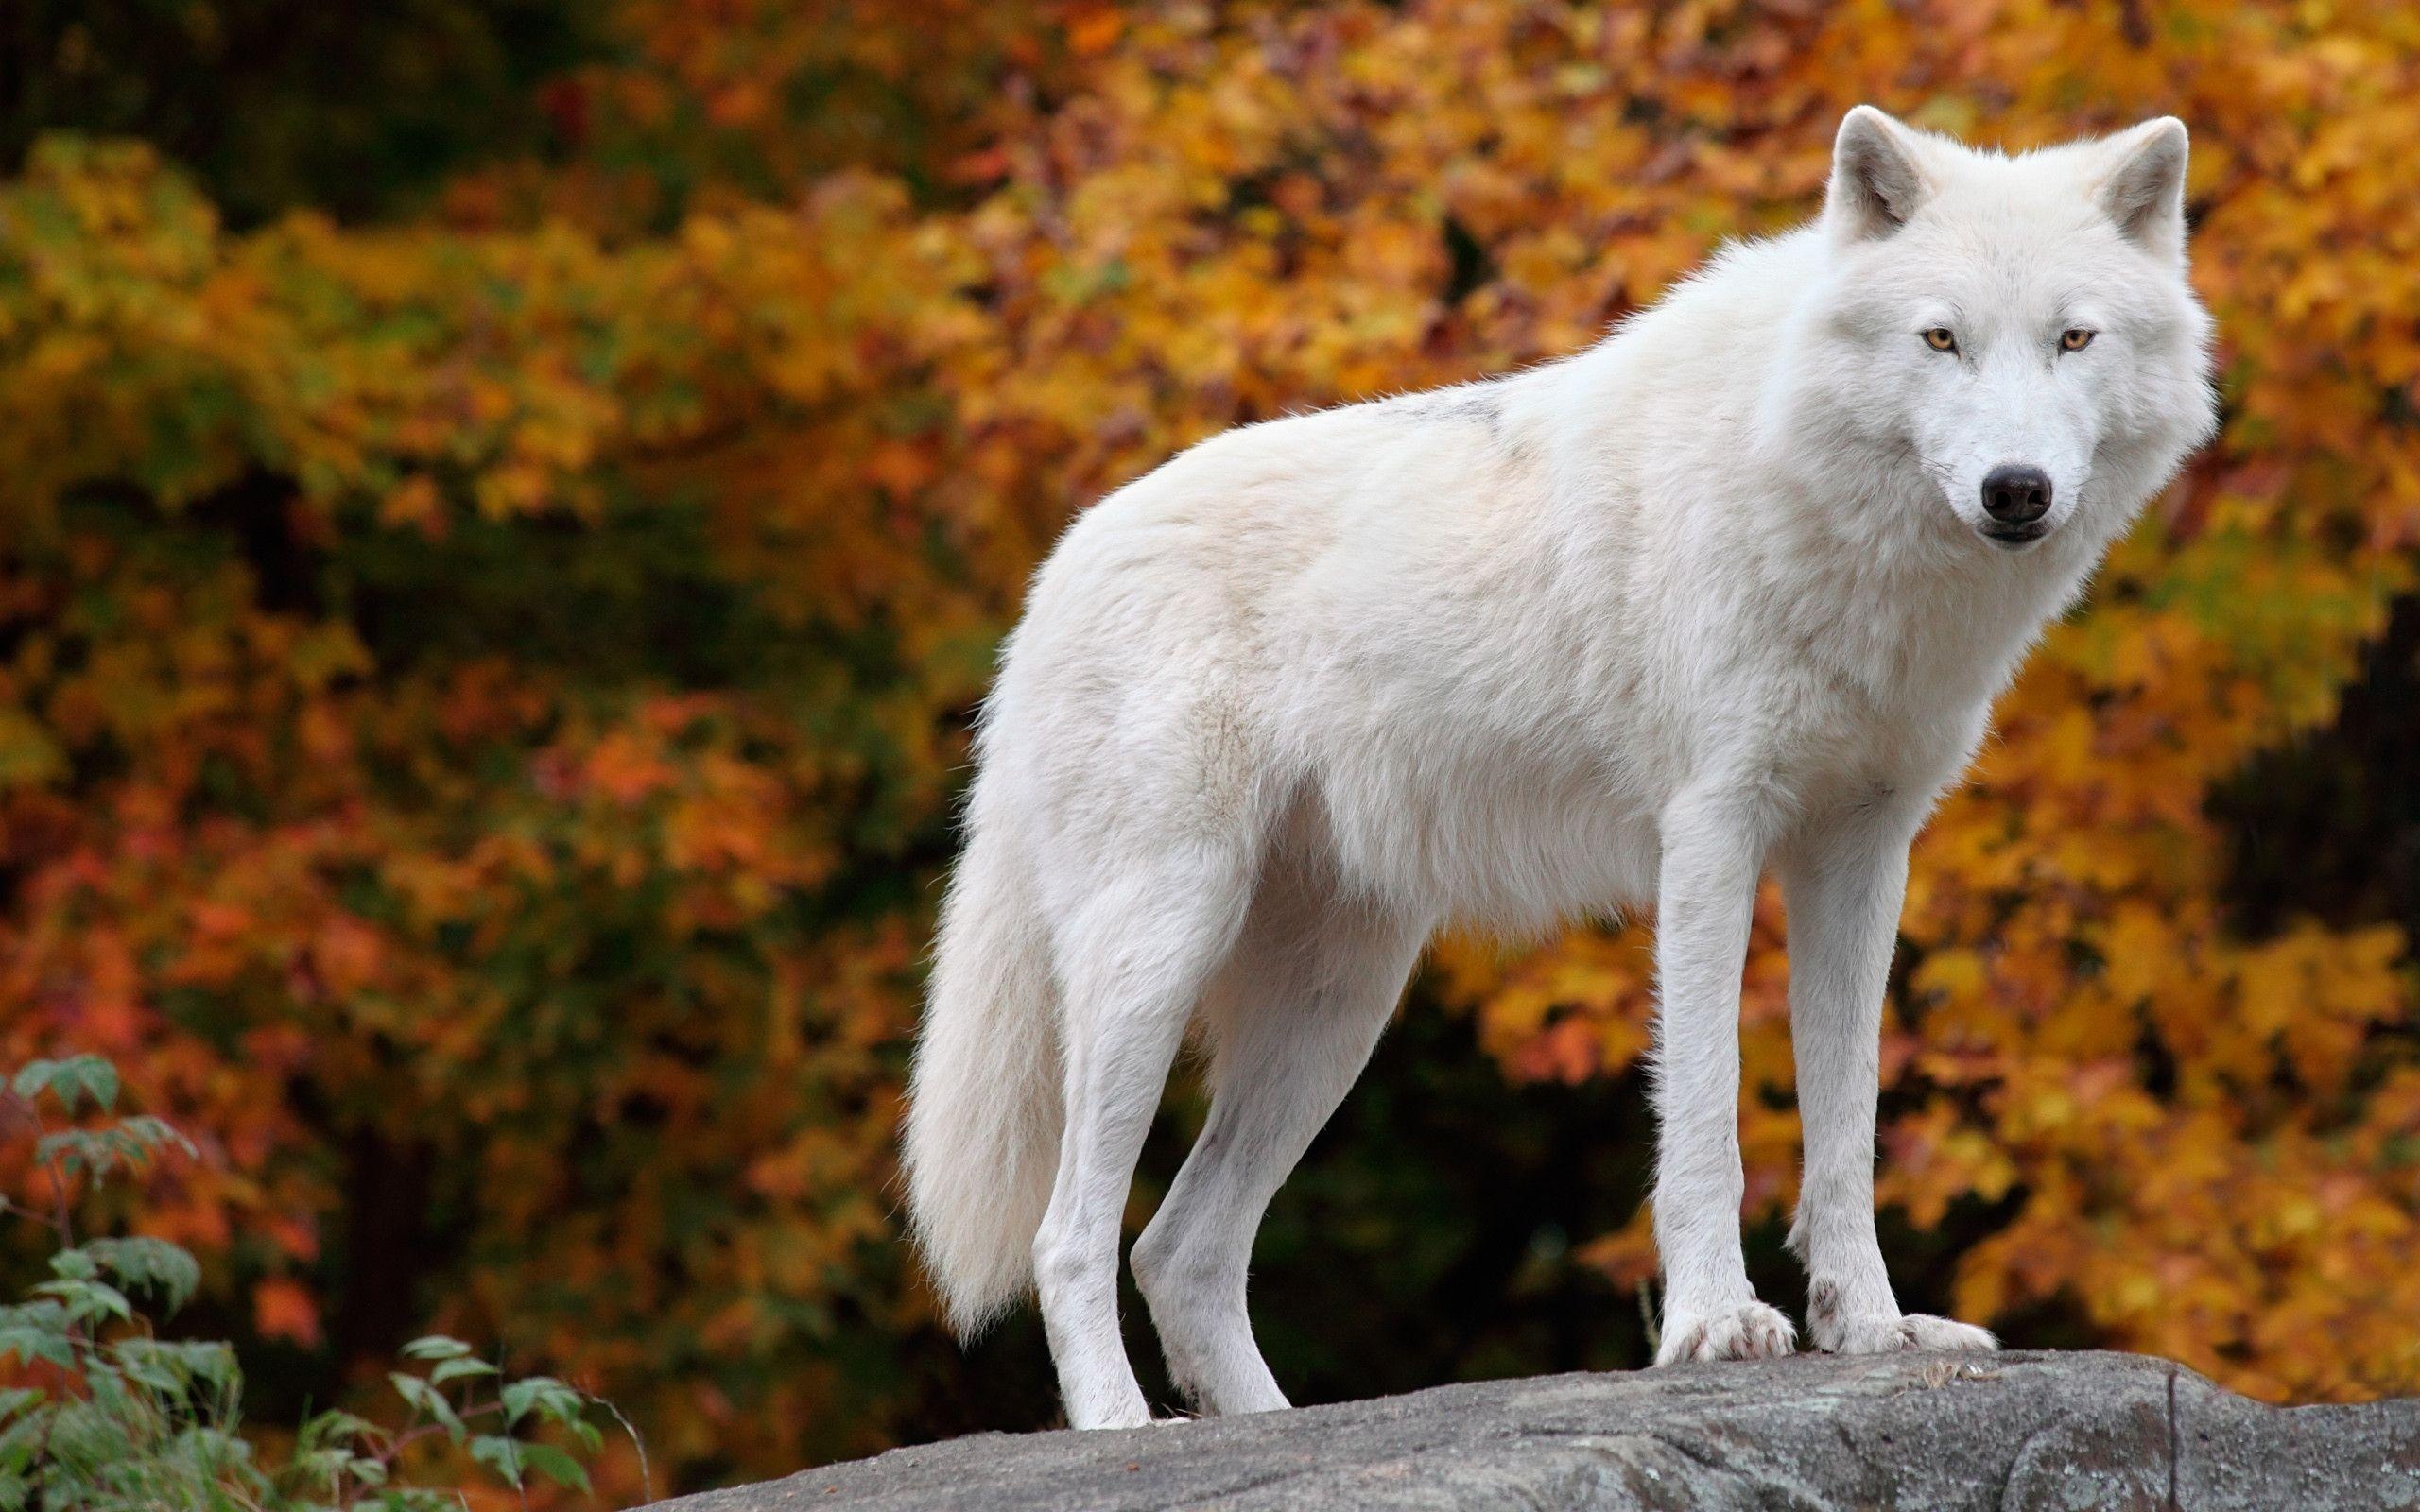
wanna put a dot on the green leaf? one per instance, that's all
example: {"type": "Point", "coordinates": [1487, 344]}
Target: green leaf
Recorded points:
{"type": "Point", "coordinates": [97, 1150]}
{"type": "Point", "coordinates": [456, 1368]}
{"type": "Point", "coordinates": [89, 1302]}
{"type": "Point", "coordinates": [425, 1400]}
{"type": "Point", "coordinates": [548, 1396]}
{"type": "Point", "coordinates": [69, 1079]}
{"type": "Point", "coordinates": [151, 1263]}
{"type": "Point", "coordinates": [155, 1134]}
{"type": "Point", "coordinates": [335, 1428]}
{"type": "Point", "coordinates": [316, 1467]}
{"type": "Point", "coordinates": [201, 1362]}
{"type": "Point", "coordinates": [70, 1149]}
{"type": "Point", "coordinates": [30, 1344]}
{"type": "Point", "coordinates": [21, 1439]}
{"type": "Point", "coordinates": [151, 1370]}
{"type": "Point", "coordinates": [500, 1454]}
{"type": "Point", "coordinates": [434, 1347]}
{"type": "Point", "coordinates": [555, 1464]}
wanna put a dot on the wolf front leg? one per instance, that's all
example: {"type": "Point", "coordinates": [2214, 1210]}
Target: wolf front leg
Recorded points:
{"type": "Point", "coordinates": [1707, 896]}
{"type": "Point", "coordinates": [1844, 887]}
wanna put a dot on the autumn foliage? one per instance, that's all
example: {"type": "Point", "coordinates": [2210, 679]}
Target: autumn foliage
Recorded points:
{"type": "Point", "coordinates": [482, 685]}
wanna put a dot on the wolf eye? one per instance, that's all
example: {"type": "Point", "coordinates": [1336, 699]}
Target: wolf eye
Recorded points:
{"type": "Point", "coordinates": [2075, 339]}
{"type": "Point", "coordinates": [1942, 338]}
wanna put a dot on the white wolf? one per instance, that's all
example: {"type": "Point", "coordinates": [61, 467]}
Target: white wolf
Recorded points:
{"type": "Point", "coordinates": [1734, 588]}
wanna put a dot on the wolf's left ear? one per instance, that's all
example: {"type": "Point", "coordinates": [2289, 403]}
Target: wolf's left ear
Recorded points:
{"type": "Point", "coordinates": [1877, 182]}
{"type": "Point", "coordinates": [2144, 189]}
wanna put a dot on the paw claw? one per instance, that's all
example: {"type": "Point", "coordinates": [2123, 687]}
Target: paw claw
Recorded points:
{"type": "Point", "coordinates": [1749, 1332]}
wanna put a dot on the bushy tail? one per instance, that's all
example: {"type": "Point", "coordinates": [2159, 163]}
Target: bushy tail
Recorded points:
{"type": "Point", "coordinates": [983, 1101]}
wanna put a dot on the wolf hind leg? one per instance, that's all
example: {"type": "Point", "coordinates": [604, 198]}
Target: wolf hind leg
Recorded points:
{"type": "Point", "coordinates": [1292, 1019]}
{"type": "Point", "coordinates": [1135, 959]}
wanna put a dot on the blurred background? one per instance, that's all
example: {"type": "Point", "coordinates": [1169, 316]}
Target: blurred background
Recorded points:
{"type": "Point", "coordinates": [508, 507]}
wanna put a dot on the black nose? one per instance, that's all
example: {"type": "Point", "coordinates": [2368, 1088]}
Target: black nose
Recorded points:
{"type": "Point", "coordinates": [2017, 496]}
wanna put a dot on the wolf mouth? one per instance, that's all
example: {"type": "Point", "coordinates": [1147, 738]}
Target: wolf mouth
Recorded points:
{"type": "Point", "coordinates": [2012, 536]}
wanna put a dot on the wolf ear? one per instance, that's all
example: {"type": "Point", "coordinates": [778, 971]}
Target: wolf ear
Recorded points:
{"type": "Point", "coordinates": [1877, 182]}
{"type": "Point", "coordinates": [2144, 187]}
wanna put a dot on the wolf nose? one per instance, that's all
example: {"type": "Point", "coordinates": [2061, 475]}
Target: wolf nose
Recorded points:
{"type": "Point", "coordinates": [2017, 496]}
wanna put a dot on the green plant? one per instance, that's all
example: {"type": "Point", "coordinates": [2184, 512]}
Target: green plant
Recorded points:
{"type": "Point", "coordinates": [98, 1414]}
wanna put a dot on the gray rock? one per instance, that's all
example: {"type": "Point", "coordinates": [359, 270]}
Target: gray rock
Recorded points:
{"type": "Point", "coordinates": [2010, 1433]}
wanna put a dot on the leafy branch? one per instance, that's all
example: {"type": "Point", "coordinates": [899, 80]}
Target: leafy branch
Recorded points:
{"type": "Point", "coordinates": [99, 1414]}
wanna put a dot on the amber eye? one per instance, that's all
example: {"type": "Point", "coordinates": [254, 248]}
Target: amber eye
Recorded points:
{"type": "Point", "coordinates": [2074, 340]}
{"type": "Point", "coordinates": [1941, 338]}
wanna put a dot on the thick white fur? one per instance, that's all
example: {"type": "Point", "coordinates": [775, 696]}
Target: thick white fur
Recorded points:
{"type": "Point", "coordinates": [1706, 598]}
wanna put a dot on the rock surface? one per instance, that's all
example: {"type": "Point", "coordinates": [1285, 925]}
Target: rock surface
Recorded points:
{"type": "Point", "coordinates": [2010, 1433]}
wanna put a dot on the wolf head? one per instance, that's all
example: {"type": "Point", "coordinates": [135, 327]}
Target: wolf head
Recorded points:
{"type": "Point", "coordinates": [2013, 338]}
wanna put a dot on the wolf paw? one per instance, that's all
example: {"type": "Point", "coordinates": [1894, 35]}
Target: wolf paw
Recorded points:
{"type": "Point", "coordinates": [1749, 1332]}
{"type": "Point", "coordinates": [1895, 1335]}
{"type": "Point", "coordinates": [1142, 1420]}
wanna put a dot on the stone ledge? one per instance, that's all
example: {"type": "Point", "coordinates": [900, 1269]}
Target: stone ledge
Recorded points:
{"type": "Point", "coordinates": [2010, 1433]}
